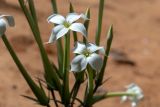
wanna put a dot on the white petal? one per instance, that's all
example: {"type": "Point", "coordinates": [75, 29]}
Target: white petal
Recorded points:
{"type": "Point", "coordinates": [79, 48]}
{"type": "Point", "coordinates": [9, 19]}
{"type": "Point", "coordinates": [62, 32]}
{"type": "Point", "coordinates": [79, 27]}
{"type": "Point", "coordinates": [79, 63]}
{"type": "Point", "coordinates": [95, 61]}
{"type": "Point", "coordinates": [2, 27]}
{"type": "Point", "coordinates": [133, 104]}
{"type": "Point", "coordinates": [93, 48]}
{"type": "Point", "coordinates": [72, 17]}
{"type": "Point", "coordinates": [56, 19]}
{"type": "Point", "coordinates": [54, 33]}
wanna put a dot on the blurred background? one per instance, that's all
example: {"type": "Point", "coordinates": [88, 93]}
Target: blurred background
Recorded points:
{"type": "Point", "coordinates": [134, 56]}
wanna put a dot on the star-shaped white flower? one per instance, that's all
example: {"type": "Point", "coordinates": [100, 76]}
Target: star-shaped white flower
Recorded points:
{"type": "Point", "coordinates": [86, 55]}
{"type": "Point", "coordinates": [133, 88]}
{"type": "Point", "coordinates": [5, 20]}
{"type": "Point", "coordinates": [63, 25]}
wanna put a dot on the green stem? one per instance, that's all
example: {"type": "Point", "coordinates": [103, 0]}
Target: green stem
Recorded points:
{"type": "Point", "coordinates": [54, 98]}
{"type": "Point", "coordinates": [50, 75]}
{"type": "Point", "coordinates": [59, 42]}
{"type": "Point", "coordinates": [100, 16]}
{"type": "Point", "coordinates": [66, 61]}
{"type": "Point", "coordinates": [54, 6]}
{"type": "Point", "coordinates": [36, 90]}
{"type": "Point", "coordinates": [111, 95]}
{"type": "Point", "coordinates": [107, 50]}
{"type": "Point", "coordinates": [75, 91]}
{"type": "Point", "coordinates": [33, 11]}
{"type": "Point", "coordinates": [89, 95]}
{"type": "Point", "coordinates": [86, 24]}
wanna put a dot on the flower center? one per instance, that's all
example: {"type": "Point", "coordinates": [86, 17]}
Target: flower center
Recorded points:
{"type": "Point", "coordinates": [66, 24]}
{"type": "Point", "coordinates": [86, 52]}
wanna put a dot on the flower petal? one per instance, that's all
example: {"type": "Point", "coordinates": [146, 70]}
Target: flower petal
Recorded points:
{"type": "Point", "coordinates": [95, 61]}
{"type": "Point", "coordinates": [79, 27]}
{"type": "Point", "coordinates": [9, 19]}
{"type": "Point", "coordinates": [79, 48]}
{"type": "Point", "coordinates": [56, 19]}
{"type": "Point", "coordinates": [2, 27]}
{"type": "Point", "coordinates": [93, 48]}
{"type": "Point", "coordinates": [62, 32]}
{"type": "Point", "coordinates": [54, 33]}
{"type": "Point", "coordinates": [72, 17]}
{"type": "Point", "coordinates": [79, 63]}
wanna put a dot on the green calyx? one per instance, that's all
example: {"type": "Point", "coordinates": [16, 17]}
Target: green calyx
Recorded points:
{"type": "Point", "coordinates": [87, 53]}
{"type": "Point", "coordinates": [66, 24]}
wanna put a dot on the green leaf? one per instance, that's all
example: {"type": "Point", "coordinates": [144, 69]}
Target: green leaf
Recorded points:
{"type": "Point", "coordinates": [89, 92]}
{"type": "Point", "coordinates": [30, 98]}
{"type": "Point", "coordinates": [100, 17]}
{"type": "Point", "coordinates": [50, 75]}
{"type": "Point", "coordinates": [86, 23]}
{"type": "Point", "coordinates": [66, 64]}
{"type": "Point", "coordinates": [33, 11]}
{"type": "Point", "coordinates": [71, 10]}
{"type": "Point", "coordinates": [107, 50]}
{"type": "Point", "coordinates": [58, 43]}
{"type": "Point", "coordinates": [54, 6]}
{"type": "Point", "coordinates": [40, 94]}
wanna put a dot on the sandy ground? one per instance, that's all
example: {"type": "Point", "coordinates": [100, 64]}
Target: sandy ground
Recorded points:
{"type": "Point", "coordinates": [136, 33]}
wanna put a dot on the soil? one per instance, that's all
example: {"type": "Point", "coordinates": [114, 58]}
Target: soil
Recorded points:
{"type": "Point", "coordinates": [136, 39]}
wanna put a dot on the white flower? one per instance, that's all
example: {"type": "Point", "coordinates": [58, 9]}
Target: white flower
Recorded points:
{"type": "Point", "coordinates": [86, 55]}
{"type": "Point", "coordinates": [5, 20]}
{"type": "Point", "coordinates": [63, 25]}
{"type": "Point", "coordinates": [133, 88]}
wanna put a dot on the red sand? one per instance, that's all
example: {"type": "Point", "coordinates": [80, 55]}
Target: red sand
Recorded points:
{"type": "Point", "coordinates": [136, 32]}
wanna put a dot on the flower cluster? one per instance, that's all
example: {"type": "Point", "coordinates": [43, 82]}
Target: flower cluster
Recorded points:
{"type": "Point", "coordinates": [133, 88]}
{"type": "Point", "coordinates": [86, 52]}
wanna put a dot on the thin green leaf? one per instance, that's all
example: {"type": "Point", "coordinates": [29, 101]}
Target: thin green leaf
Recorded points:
{"type": "Point", "coordinates": [50, 75]}
{"type": "Point", "coordinates": [86, 23]}
{"type": "Point", "coordinates": [71, 9]}
{"type": "Point", "coordinates": [30, 98]}
{"type": "Point", "coordinates": [66, 64]}
{"type": "Point", "coordinates": [54, 6]}
{"type": "Point", "coordinates": [100, 17]}
{"type": "Point", "coordinates": [41, 96]}
{"type": "Point", "coordinates": [89, 94]}
{"type": "Point", "coordinates": [58, 43]}
{"type": "Point", "coordinates": [33, 11]}
{"type": "Point", "coordinates": [107, 50]}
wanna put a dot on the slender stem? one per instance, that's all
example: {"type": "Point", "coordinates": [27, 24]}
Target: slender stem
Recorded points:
{"type": "Point", "coordinates": [59, 42]}
{"type": "Point", "coordinates": [86, 24]}
{"type": "Point", "coordinates": [119, 94]}
{"type": "Point", "coordinates": [107, 50]}
{"type": "Point", "coordinates": [54, 98]}
{"type": "Point", "coordinates": [75, 92]}
{"type": "Point", "coordinates": [89, 96]}
{"type": "Point", "coordinates": [50, 74]}
{"type": "Point", "coordinates": [111, 95]}
{"type": "Point", "coordinates": [100, 16]}
{"type": "Point", "coordinates": [54, 6]}
{"type": "Point", "coordinates": [65, 70]}
{"type": "Point", "coordinates": [33, 10]}
{"type": "Point", "coordinates": [35, 89]}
